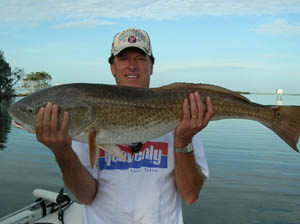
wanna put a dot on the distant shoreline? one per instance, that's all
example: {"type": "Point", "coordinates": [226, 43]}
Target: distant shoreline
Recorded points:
{"type": "Point", "coordinates": [284, 94]}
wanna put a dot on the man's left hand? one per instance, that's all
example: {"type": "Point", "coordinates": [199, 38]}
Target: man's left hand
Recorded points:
{"type": "Point", "coordinates": [195, 118]}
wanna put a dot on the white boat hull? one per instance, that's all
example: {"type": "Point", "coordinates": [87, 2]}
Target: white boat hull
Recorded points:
{"type": "Point", "coordinates": [50, 207]}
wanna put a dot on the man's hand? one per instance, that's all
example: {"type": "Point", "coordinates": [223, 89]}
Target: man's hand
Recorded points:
{"type": "Point", "coordinates": [189, 180]}
{"type": "Point", "coordinates": [48, 131]}
{"type": "Point", "coordinates": [195, 118]}
{"type": "Point", "coordinates": [75, 175]}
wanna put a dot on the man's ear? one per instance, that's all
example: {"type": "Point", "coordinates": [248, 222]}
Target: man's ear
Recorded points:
{"type": "Point", "coordinates": [151, 69]}
{"type": "Point", "coordinates": [112, 69]}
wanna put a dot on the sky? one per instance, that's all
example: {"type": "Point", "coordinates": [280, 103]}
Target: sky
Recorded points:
{"type": "Point", "coordinates": [243, 45]}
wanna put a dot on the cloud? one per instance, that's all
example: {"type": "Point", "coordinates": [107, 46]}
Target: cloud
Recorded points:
{"type": "Point", "coordinates": [83, 23]}
{"type": "Point", "coordinates": [92, 12]}
{"type": "Point", "coordinates": [278, 26]}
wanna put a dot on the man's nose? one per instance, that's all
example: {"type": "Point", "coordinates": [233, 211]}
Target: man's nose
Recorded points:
{"type": "Point", "coordinates": [132, 64]}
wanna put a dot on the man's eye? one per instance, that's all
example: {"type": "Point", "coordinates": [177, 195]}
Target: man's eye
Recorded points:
{"type": "Point", "coordinates": [122, 57]}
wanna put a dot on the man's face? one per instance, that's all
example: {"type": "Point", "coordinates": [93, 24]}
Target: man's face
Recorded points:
{"type": "Point", "coordinates": [132, 67]}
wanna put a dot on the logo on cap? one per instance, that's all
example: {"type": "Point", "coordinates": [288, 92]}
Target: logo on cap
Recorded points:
{"type": "Point", "coordinates": [132, 39]}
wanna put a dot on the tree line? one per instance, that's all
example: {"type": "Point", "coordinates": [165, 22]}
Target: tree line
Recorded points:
{"type": "Point", "coordinates": [9, 77]}
{"type": "Point", "coordinates": [36, 80]}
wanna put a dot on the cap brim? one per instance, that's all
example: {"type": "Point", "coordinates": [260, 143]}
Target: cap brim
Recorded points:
{"type": "Point", "coordinates": [115, 53]}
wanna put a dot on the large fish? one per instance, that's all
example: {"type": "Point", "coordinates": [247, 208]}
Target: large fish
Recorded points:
{"type": "Point", "coordinates": [107, 114]}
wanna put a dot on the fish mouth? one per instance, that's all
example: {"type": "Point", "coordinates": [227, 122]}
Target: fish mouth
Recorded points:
{"type": "Point", "coordinates": [17, 125]}
{"type": "Point", "coordinates": [14, 122]}
{"type": "Point", "coordinates": [23, 127]}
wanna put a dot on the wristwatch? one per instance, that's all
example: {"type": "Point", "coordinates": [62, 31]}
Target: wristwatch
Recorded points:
{"type": "Point", "coordinates": [188, 148]}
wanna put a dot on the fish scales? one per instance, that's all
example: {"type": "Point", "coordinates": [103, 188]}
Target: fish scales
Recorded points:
{"type": "Point", "coordinates": [159, 109]}
{"type": "Point", "coordinates": [123, 115]}
{"type": "Point", "coordinates": [130, 116]}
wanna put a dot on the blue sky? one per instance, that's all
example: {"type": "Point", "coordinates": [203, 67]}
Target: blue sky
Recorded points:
{"type": "Point", "coordinates": [247, 45]}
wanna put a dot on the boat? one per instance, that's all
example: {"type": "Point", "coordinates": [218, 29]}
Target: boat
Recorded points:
{"type": "Point", "coordinates": [49, 207]}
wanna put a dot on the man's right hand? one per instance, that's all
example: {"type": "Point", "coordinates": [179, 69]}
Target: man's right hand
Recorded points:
{"type": "Point", "coordinates": [56, 137]}
{"type": "Point", "coordinates": [48, 131]}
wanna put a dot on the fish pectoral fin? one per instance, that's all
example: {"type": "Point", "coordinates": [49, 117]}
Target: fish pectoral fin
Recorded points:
{"type": "Point", "coordinates": [113, 149]}
{"type": "Point", "coordinates": [93, 146]}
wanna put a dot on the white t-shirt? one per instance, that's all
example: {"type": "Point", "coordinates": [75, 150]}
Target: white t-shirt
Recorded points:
{"type": "Point", "coordinates": [140, 190]}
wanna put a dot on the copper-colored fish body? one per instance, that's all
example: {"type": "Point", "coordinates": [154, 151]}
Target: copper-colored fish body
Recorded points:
{"type": "Point", "coordinates": [124, 115]}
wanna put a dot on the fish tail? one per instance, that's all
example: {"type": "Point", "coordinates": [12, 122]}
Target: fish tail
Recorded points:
{"type": "Point", "coordinates": [287, 124]}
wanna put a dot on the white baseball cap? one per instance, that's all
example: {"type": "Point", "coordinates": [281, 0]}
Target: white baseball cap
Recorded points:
{"type": "Point", "coordinates": [131, 37]}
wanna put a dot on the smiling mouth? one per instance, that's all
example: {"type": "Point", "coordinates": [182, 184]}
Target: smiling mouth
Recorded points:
{"type": "Point", "coordinates": [132, 76]}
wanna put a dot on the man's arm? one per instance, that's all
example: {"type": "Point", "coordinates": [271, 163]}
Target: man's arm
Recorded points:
{"type": "Point", "coordinates": [189, 179]}
{"type": "Point", "coordinates": [75, 175]}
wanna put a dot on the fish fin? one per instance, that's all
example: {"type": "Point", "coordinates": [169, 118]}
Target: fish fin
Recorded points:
{"type": "Point", "coordinates": [200, 87]}
{"type": "Point", "coordinates": [175, 85]}
{"type": "Point", "coordinates": [223, 91]}
{"type": "Point", "coordinates": [113, 149]}
{"type": "Point", "coordinates": [92, 146]}
{"type": "Point", "coordinates": [86, 111]}
{"type": "Point", "coordinates": [287, 124]}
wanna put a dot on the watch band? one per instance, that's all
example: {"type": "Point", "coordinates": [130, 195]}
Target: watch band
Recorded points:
{"type": "Point", "coordinates": [188, 148]}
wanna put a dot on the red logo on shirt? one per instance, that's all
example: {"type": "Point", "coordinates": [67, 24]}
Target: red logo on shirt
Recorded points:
{"type": "Point", "coordinates": [152, 155]}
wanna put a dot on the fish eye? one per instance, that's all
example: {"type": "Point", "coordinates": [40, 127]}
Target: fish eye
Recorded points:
{"type": "Point", "coordinates": [30, 110]}
{"type": "Point", "coordinates": [278, 114]}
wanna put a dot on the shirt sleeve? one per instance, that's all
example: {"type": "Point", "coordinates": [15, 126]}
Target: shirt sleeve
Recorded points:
{"type": "Point", "coordinates": [200, 155]}
{"type": "Point", "coordinates": [82, 151]}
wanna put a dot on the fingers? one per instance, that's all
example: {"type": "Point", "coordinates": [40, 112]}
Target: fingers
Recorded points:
{"type": "Point", "coordinates": [46, 122]}
{"type": "Point", "coordinates": [193, 105]}
{"type": "Point", "coordinates": [200, 110]}
{"type": "Point", "coordinates": [186, 111]}
{"type": "Point", "coordinates": [198, 113]}
{"type": "Point", "coordinates": [54, 119]}
{"type": "Point", "coordinates": [65, 123]}
{"type": "Point", "coordinates": [48, 130]}
{"type": "Point", "coordinates": [39, 123]}
{"type": "Point", "coordinates": [47, 119]}
{"type": "Point", "coordinates": [195, 118]}
{"type": "Point", "coordinates": [209, 111]}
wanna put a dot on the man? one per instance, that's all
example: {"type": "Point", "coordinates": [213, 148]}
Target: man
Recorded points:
{"type": "Point", "coordinates": [148, 186]}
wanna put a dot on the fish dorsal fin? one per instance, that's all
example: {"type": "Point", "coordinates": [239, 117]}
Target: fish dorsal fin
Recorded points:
{"type": "Point", "coordinates": [223, 90]}
{"type": "Point", "coordinates": [175, 85]}
{"type": "Point", "coordinates": [208, 87]}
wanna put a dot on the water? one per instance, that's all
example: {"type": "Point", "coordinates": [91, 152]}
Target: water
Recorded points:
{"type": "Point", "coordinates": [254, 175]}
